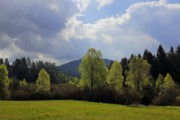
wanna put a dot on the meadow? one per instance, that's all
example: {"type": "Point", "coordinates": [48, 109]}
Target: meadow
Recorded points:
{"type": "Point", "coordinates": [80, 110]}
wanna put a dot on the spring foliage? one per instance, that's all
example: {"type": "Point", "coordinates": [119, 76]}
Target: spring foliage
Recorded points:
{"type": "Point", "coordinates": [138, 75]}
{"type": "Point", "coordinates": [159, 83]}
{"type": "Point", "coordinates": [4, 82]}
{"type": "Point", "coordinates": [115, 76]}
{"type": "Point", "coordinates": [43, 82]}
{"type": "Point", "coordinates": [169, 84]}
{"type": "Point", "coordinates": [93, 70]}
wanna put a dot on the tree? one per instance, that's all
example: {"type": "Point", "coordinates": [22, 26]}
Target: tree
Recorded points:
{"type": "Point", "coordinates": [1, 61]}
{"type": "Point", "coordinates": [159, 83]}
{"type": "Point", "coordinates": [73, 81]}
{"type": "Point", "coordinates": [176, 63]}
{"type": "Point", "coordinates": [151, 59]}
{"type": "Point", "coordinates": [161, 60]}
{"type": "Point", "coordinates": [138, 75]}
{"type": "Point", "coordinates": [43, 82]}
{"type": "Point", "coordinates": [92, 69]}
{"type": "Point", "coordinates": [124, 64]}
{"type": "Point", "coordinates": [23, 84]}
{"type": "Point", "coordinates": [115, 76]}
{"type": "Point", "coordinates": [161, 54]}
{"type": "Point", "coordinates": [4, 82]}
{"type": "Point", "coordinates": [169, 84]}
{"type": "Point", "coordinates": [20, 68]}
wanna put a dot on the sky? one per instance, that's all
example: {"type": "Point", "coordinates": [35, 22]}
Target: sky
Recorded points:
{"type": "Point", "coordinates": [60, 31]}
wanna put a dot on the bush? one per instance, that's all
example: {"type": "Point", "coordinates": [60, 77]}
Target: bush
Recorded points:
{"type": "Point", "coordinates": [20, 95]}
{"type": "Point", "coordinates": [14, 85]}
{"type": "Point", "coordinates": [40, 96]}
{"type": "Point", "coordinates": [25, 93]}
{"type": "Point", "coordinates": [128, 96]}
{"type": "Point", "coordinates": [102, 94]}
{"type": "Point", "coordinates": [177, 101]}
{"type": "Point", "coordinates": [164, 99]}
{"type": "Point", "coordinates": [65, 91]}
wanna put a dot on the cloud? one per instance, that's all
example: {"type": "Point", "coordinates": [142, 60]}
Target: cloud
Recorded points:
{"type": "Point", "coordinates": [30, 28]}
{"type": "Point", "coordinates": [144, 25]}
{"type": "Point", "coordinates": [162, 1]}
{"type": "Point", "coordinates": [82, 5]}
{"type": "Point", "coordinates": [103, 3]}
{"type": "Point", "coordinates": [53, 31]}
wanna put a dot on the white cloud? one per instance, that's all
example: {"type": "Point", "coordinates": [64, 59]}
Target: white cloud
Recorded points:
{"type": "Point", "coordinates": [53, 32]}
{"type": "Point", "coordinates": [144, 25]}
{"type": "Point", "coordinates": [102, 3]}
{"type": "Point", "coordinates": [163, 1]}
{"type": "Point", "coordinates": [82, 5]}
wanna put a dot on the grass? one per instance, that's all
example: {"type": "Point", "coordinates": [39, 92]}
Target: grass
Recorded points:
{"type": "Point", "coordinates": [78, 110]}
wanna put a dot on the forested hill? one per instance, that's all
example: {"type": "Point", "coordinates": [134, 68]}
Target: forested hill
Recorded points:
{"type": "Point", "coordinates": [72, 68]}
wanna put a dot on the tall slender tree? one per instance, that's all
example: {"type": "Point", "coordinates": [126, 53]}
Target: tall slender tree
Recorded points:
{"type": "Point", "coordinates": [115, 76]}
{"type": "Point", "coordinates": [159, 83]}
{"type": "Point", "coordinates": [162, 60]}
{"type": "Point", "coordinates": [4, 82]}
{"type": "Point", "coordinates": [169, 84]}
{"type": "Point", "coordinates": [124, 64]}
{"type": "Point", "coordinates": [43, 82]}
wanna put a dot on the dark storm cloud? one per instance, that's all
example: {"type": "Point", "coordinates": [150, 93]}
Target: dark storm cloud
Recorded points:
{"type": "Point", "coordinates": [21, 16]}
{"type": "Point", "coordinates": [4, 41]}
{"type": "Point", "coordinates": [33, 23]}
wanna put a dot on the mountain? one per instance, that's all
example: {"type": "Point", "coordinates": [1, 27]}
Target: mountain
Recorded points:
{"type": "Point", "coordinates": [72, 68]}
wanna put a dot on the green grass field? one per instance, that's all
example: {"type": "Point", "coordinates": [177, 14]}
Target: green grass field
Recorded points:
{"type": "Point", "coordinates": [77, 110]}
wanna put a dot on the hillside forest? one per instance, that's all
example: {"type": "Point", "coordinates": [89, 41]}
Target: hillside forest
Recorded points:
{"type": "Point", "coordinates": [141, 79]}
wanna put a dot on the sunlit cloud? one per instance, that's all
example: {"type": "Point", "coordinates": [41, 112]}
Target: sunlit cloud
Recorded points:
{"type": "Point", "coordinates": [55, 31]}
{"type": "Point", "coordinates": [102, 3]}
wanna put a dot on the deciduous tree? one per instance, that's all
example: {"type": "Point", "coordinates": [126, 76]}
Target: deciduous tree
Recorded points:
{"type": "Point", "coordinates": [4, 82]}
{"type": "Point", "coordinates": [92, 69]}
{"type": "Point", "coordinates": [169, 84]}
{"type": "Point", "coordinates": [43, 82]}
{"type": "Point", "coordinates": [115, 76]}
{"type": "Point", "coordinates": [138, 75]}
{"type": "Point", "coordinates": [159, 83]}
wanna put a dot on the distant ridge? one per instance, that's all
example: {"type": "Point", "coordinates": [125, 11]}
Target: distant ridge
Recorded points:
{"type": "Point", "coordinates": [72, 68]}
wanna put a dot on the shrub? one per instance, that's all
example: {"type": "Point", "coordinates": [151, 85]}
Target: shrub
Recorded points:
{"type": "Point", "coordinates": [65, 91]}
{"type": "Point", "coordinates": [177, 101]}
{"type": "Point", "coordinates": [164, 99]}
{"type": "Point", "coordinates": [128, 96]}
{"type": "Point", "coordinates": [20, 95]}
{"type": "Point", "coordinates": [102, 94]}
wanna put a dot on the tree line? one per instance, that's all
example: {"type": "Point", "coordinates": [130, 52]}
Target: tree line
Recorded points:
{"type": "Point", "coordinates": [147, 79]}
{"type": "Point", "coordinates": [147, 66]}
{"type": "Point", "coordinates": [151, 78]}
{"type": "Point", "coordinates": [25, 68]}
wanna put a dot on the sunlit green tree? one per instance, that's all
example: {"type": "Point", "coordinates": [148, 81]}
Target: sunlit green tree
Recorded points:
{"type": "Point", "coordinates": [115, 76]}
{"type": "Point", "coordinates": [4, 82]}
{"type": "Point", "coordinates": [43, 82]}
{"type": "Point", "coordinates": [92, 69]}
{"type": "Point", "coordinates": [169, 84]}
{"type": "Point", "coordinates": [159, 83]}
{"type": "Point", "coordinates": [138, 75]}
